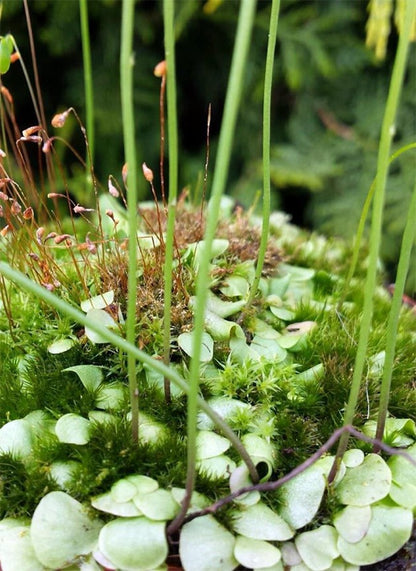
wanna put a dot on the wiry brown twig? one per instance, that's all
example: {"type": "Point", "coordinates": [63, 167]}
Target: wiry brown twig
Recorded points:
{"type": "Point", "coordinates": [269, 486]}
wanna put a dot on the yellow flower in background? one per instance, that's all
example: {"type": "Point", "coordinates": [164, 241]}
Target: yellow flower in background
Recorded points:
{"type": "Point", "coordinates": [399, 18]}
{"type": "Point", "coordinates": [378, 24]}
{"type": "Point", "coordinates": [211, 6]}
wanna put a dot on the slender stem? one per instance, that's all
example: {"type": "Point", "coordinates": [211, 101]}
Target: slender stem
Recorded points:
{"type": "Point", "coordinates": [361, 225]}
{"type": "Point", "coordinates": [126, 84]}
{"type": "Point", "coordinates": [88, 86]}
{"type": "Point", "coordinates": [387, 133]}
{"type": "Point", "coordinates": [168, 14]}
{"type": "Point", "coordinates": [130, 348]}
{"type": "Point", "coordinates": [232, 101]}
{"type": "Point", "coordinates": [392, 324]}
{"type": "Point", "coordinates": [267, 97]}
{"type": "Point", "coordinates": [38, 104]}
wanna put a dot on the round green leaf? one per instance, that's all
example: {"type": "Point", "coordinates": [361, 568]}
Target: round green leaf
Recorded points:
{"type": "Point", "coordinates": [64, 472]}
{"type": "Point", "coordinates": [390, 528]}
{"type": "Point", "coordinates": [235, 286]}
{"type": "Point", "coordinates": [318, 548]}
{"type": "Point", "coordinates": [111, 397]}
{"type": "Point", "coordinates": [16, 550]}
{"type": "Point", "coordinates": [106, 503]}
{"type": "Point", "coordinates": [73, 429]}
{"type": "Point", "coordinates": [90, 376]}
{"type": "Point", "coordinates": [123, 491]}
{"type": "Point", "coordinates": [16, 438]}
{"type": "Point", "coordinates": [260, 522]}
{"type": "Point", "coordinates": [102, 319]}
{"type": "Point", "coordinates": [158, 505]}
{"type": "Point", "coordinates": [301, 497]}
{"type": "Point", "coordinates": [353, 457]}
{"type": "Point", "coordinates": [403, 488]}
{"type": "Point", "coordinates": [365, 484]}
{"type": "Point", "coordinates": [225, 407]}
{"type": "Point", "coordinates": [144, 484]}
{"type": "Point", "coordinates": [223, 308]}
{"type": "Point", "coordinates": [240, 478]}
{"type": "Point", "coordinates": [98, 302]}
{"type": "Point", "coordinates": [255, 553]}
{"type": "Point", "coordinates": [61, 346]}
{"type": "Point", "coordinates": [185, 342]}
{"type": "Point", "coordinates": [216, 467]}
{"type": "Point", "coordinates": [210, 444]}
{"type": "Point", "coordinates": [62, 530]}
{"type": "Point", "coordinates": [134, 544]}
{"type": "Point", "coordinates": [206, 545]}
{"type": "Point", "coordinates": [352, 522]}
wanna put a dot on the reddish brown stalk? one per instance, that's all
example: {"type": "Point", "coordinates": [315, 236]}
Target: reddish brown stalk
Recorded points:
{"type": "Point", "coordinates": [160, 71]}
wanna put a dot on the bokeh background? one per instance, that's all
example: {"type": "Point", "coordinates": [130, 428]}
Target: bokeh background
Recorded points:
{"type": "Point", "coordinates": [328, 100]}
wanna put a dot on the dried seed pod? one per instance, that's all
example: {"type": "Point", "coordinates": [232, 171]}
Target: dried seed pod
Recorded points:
{"type": "Point", "coordinates": [124, 172]}
{"type": "Point", "coordinates": [30, 131]}
{"type": "Point", "coordinates": [112, 189]}
{"type": "Point", "coordinates": [148, 173]}
{"type": "Point", "coordinates": [62, 238]}
{"type": "Point", "coordinates": [80, 209]}
{"type": "Point", "coordinates": [50, 235]}
{"type": "Point", "coordinates": [28, 213]}
{"type": "Point", "coordinates": [15, 208]}
{"type": "Point", "coordinates": [4, 231]}
{"type": "Point", "coordinates": [160, 69]}
{"type": "Point", "coordinates": [39, 234]}
{"type": "Point", "coordinates": [59, 119]}
{"type": "Point", "coordinates": [90, 245]}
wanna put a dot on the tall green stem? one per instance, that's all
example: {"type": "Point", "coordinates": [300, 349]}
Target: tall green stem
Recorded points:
{"type": "Point", "coordinates": [126, 84]}
{"type": "Point", "coordinates": [267, 98]}
{"type": "Point", "coordinates": [232, 101]}
{"type": "Point", "coordinates": [387, 133]}
{"type": "Point", "coordinates": [59, 304]}
{"type": "Point", "coordinates": [88, 87]}
{"type": "Point", "coordinates": [168, 14]}
{"type": "Point", "coordinates": [392, 324]}
{"type": "Point", "coordinates": [361, 226]}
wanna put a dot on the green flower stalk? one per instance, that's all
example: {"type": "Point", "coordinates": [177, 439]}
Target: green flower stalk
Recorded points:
{"type": "Point", "coordinates": [168, 14]}
{"type": "Point", "coordinates": [126, 75]}
{"type": "Point", "coordinates": [88, 86]}
{"type": "Point", "coordinates": [267, 97]}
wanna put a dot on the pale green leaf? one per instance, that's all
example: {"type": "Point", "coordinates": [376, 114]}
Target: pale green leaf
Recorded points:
{"type": "Point", "coordinates": [134, 544]}
{"type": "Point", "coordinates": [260, 522]}
{"type": "Point", "coordinates": [73, 429]}
{"type": "Point", "coordinates": [90, 376]}
{"type": "Point", "coordinates": [215, 546]}
{"type": "Point", "coordinates": [255, 553]}
{"type": "Point", "coordinates": [366, 483]}
{"type": "Point", "coordinates": [390, 528]}
{"type": "Point", "coordinates": [62, 530]}
{"type": "Point", "coordinates": [318, 547]}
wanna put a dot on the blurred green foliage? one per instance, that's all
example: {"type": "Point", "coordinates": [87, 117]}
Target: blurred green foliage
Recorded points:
{"type": "Point", "coordinates": [328, 100]}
